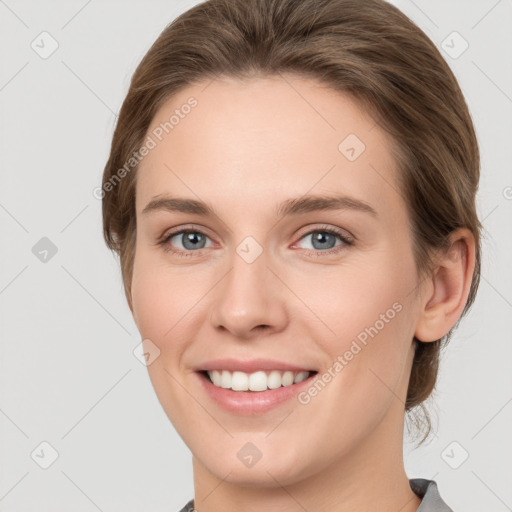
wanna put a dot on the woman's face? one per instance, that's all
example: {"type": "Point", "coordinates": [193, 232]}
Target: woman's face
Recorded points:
{"type": "Point", "coordinates": [274, 283]}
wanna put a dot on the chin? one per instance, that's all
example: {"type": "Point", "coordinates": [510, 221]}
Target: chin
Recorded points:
{"type": "Point", "coordinates": [278, 466]}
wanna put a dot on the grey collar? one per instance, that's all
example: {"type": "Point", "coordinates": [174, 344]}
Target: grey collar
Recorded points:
{"type": "Point", "coordinates": [427, 490]}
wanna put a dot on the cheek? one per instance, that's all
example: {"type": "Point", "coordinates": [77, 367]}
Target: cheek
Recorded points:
{"type": "Point", "coordinates": [168, 306]}
{"type": "Point", "coordinates": [157, 298]}
{"type": "Point", "coordinates": [367, 322]}
{"type": "Point", "coordinates": [348, 300]}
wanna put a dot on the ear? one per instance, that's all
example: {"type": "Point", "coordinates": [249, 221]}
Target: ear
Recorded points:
{"type": "Point", "coordinates": [448, 288]}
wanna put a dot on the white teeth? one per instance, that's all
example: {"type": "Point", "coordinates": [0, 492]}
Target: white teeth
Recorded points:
{"type": "Point", "coordinates": [287, 379]}
{"type": "Point", "coordinates": [225, 379]}
{"type": "Point", "coordinates": [216, 377]}
{"type": "Point", "coordinates": [300, 377]}
{"type": "Point", "coordinates": [239, 381]}
{"type": "Point", "coordinates": [257, 381]}
{"type": "Point", "coordinates": [274, 380]}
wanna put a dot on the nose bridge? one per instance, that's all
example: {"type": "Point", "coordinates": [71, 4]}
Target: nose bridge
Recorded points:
{"type": "Point", "coordinates": [250, 295]}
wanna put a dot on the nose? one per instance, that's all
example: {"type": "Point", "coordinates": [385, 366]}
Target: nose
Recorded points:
{"type": "Point", "coordinates": [249, 300]}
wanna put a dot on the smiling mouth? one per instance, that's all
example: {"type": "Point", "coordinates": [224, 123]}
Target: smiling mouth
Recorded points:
{"type": "Point", "coordinates": [256, 381]}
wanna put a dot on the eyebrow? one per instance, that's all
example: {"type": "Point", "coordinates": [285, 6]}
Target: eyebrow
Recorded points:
{"type": "Point", "coordinates": [295, 206]}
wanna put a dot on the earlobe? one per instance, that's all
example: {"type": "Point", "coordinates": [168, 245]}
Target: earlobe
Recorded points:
{"type": "Point", "coordinates": [449, 287]}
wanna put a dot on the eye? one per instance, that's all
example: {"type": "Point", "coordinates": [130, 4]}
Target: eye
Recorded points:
{"type": "Point", "coordinates": [325, 240]}
{"type": "Point", "coordinates": [322, 241]}
{"type": "Point", "coordinates": [186, 240]}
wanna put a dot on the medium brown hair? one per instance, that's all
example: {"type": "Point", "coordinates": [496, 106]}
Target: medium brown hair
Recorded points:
{"type": "Point", "coordinates": [365, 48]}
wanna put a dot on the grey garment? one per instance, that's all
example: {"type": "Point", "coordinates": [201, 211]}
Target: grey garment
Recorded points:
{"type": "Point", "coordinates": [189, 507]}
{"type": "Point", "coordinates": [425, 489]}
{"type": "Point", "coordinates": [431, 500]}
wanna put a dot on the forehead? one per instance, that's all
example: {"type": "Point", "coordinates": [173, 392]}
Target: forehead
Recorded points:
{"type": "Point", "coordinates": [246, 140]}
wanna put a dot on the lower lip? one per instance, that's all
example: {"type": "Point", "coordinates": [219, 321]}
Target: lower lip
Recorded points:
{"type": "Point", "coordinates": [249, 403]}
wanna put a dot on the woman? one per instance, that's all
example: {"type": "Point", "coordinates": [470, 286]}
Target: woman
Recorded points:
{"type": "Point", "coordinates": [291, 190]}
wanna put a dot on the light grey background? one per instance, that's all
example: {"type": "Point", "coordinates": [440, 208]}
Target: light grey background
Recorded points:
{"type": "Point", "coordinates": [68, 376]}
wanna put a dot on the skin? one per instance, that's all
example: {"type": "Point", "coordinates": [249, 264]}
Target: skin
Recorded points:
{"type": "Point", "coordinates": [248, 146]}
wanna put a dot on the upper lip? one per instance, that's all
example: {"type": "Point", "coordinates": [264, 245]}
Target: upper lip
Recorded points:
{"type": "Point", "coordinates": [249, 366]}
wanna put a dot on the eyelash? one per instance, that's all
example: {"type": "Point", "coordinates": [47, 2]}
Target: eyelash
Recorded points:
{"type": "Point", "coordinates": [347, 241]}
